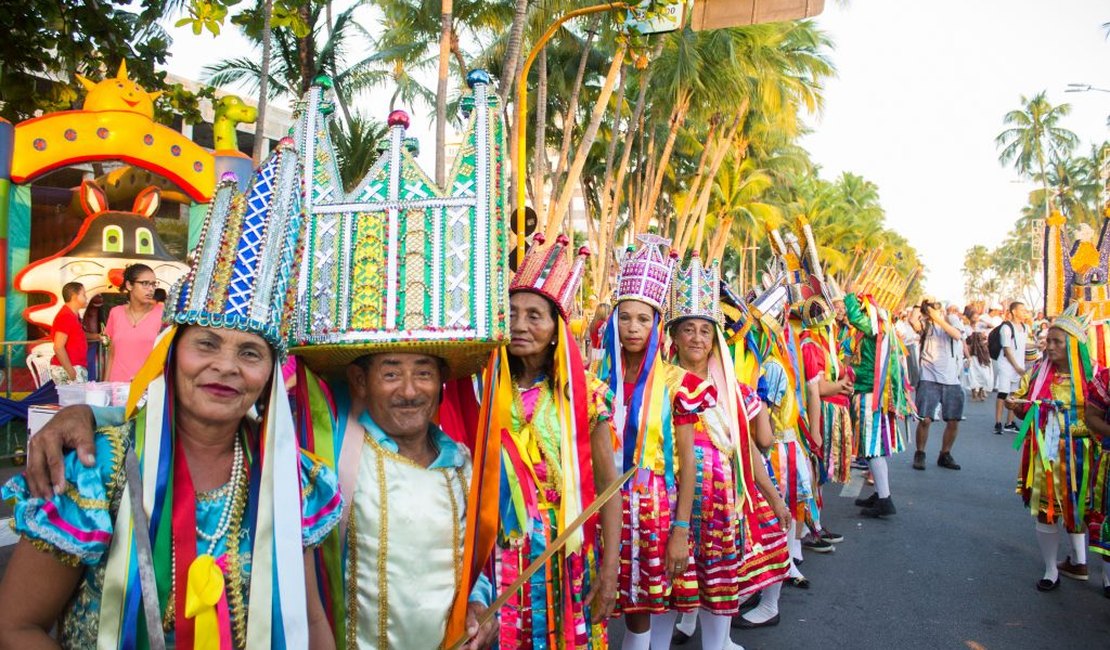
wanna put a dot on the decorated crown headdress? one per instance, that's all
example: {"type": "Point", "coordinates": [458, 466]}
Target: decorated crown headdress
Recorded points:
{"type": "Point", "coordinates": [550, 272]}
{"type": "Point", "coordinates": [242, 265]}
{"type": "Point", "coordinates": [822, 318]}
{"type": "Point", "coordinates": [696, 292]}
{"type": "Point", "coordinates": [645, 273]}
{"type": "Point", "coordinates": [1073, 323]}
{"type": "Point", "coordinates": [399, 264]}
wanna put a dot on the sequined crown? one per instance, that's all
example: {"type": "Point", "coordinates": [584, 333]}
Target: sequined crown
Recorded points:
{"type": "Point", "coordinates": [1073, 323]}
{"type": "Point", "coordinates": [243, 263]}
{"type": "Point", "coordinates": [645, 273]}
{"type": "Point", "coordinates": [551, 273]}
{"type": "Point", "coordinates": [695, 292]}
{"type": "Point", "coordinates": [398, 263]}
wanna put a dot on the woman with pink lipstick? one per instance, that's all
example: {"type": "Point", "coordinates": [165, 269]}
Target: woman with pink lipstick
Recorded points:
{"type": "Point", "coordinates": [655, 409]}
{"type": "Point", "coordinates": [179, 533]}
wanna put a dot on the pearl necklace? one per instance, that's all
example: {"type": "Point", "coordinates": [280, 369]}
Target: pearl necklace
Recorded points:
{"type": "Point", "coordinates": [225, 515]}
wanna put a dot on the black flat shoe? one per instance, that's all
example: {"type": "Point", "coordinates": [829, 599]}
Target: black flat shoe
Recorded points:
{"type": "Point", "coordinates": [1106, 591]}
{"type": "Point", "coordinates": [745, 624]}
{"type": "Point", "coordinates": [869, 501]}
{"type": "Point", "coordinates": [1045, 584]}
{"type": "Point", "coordinates": [680, 637]}
{"type": "Point", "coordinates": [748, 605]}
{"type": "Point", "coordinates": [800, 583]}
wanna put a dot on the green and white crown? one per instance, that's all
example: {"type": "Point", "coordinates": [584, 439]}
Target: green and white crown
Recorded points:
{"type": "Point", "coordinates": [695, 292]}
{"type": "Point", "coordinates": [399, 264]}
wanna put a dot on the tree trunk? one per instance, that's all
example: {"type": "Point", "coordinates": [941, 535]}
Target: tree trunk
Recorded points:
{"type": "Point", "coordinates": [539, 151]}
{"type": "Point", "coordinates": [263, 83]}
{"type": "Point", "coordinates": [588, 138]}
{"type": "Point", "coordinates": [570, 112]}
{"type": "Point", "coordinates": [441, 90]}
{"type": "Point", "coordinates": [678, 117]}
{"type": "Point", "coordinates": [513, 60]}
{"type": "Point", "coordinates": [306, 51]}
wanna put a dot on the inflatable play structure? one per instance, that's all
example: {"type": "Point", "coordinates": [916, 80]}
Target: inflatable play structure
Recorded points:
{"type": "Point", "coordinates": [107, 243]}
{"type": "Point", "coordinates": [115, 123]}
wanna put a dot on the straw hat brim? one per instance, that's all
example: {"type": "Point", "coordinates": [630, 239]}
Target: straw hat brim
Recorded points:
{"type": "Point", "coordinates": [463, 359]}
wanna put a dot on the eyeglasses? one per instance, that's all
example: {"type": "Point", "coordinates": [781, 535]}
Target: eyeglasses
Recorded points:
{"type": "Point", "coordinates": [149, 284]}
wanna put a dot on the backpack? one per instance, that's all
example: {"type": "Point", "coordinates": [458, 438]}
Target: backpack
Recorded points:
{"type": "Point", "coordinates": [994, 340]}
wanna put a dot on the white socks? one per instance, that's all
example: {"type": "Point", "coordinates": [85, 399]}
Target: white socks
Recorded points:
{"type": "Point", "coordinates": [881, 475]}
{"type": "Point", "coordinates": [662, 629]}
{"type": "Point", "coordinates": [714, 630]}
{"type": "Point", "coordinates": [1078, 548]}
{"type": "Point", "coordinates": [1048, 538]}
{"type": "Point", "coordinates": [768, 606]}
{"type": "Point", "coordinates": [634, 641]}
{"type": "Point", "coordinates": [687, 623]}
{"type": "Point", "coordinates": [795, 546]}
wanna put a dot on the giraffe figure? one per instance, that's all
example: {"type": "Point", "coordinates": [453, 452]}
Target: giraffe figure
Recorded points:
{"type": "Point", "coordinates": [230, 110]}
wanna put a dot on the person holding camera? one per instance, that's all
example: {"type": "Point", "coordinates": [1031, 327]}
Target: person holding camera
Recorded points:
{"type": "Point", "coordinates": [942, 340]}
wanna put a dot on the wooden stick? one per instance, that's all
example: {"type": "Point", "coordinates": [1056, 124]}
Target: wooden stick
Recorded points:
{"type": "Point", "coordinates": [560, 541]}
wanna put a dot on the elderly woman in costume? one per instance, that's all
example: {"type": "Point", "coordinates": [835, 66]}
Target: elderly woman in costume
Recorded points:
{"type": "Point", "coordinates": [656, 406]}
{"type": "Point", "coordinates": [174, 534]}
{"type": "Point", "coordinates": [1098, 423]}
{"type": "Point", "coordinates": [734, 530]}
{"type": "Point", "coordinates": [557, 456]}
{"type": "Point", "coordinates": [1057, 453]}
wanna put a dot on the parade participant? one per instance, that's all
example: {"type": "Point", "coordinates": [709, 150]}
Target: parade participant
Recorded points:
{"type": "Point", "coordinates": [1057, 453]}
{"type": "Point", "coordinates": [397, 571]}
{"type": "Point", "coordinates": [880, 397]}
{"type": "Point", "coordinates": [655, 408]}
{"type": "Point", "coordinates": [71, 345]}
{"type": "Point", "coordinates": [727, 481]}
{"type": "Point", "coordinates": [201, 483]}
{"type": "Point", "coordinates": [556, 456]}
{"type": "Point", "coordinates": [829, 390]}
{"type": "Point", "coordinates": [132, 328]}
{"type": "Point", "coordinates": [1095, 415]}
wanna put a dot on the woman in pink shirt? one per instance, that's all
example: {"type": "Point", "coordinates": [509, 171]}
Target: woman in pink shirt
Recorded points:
{"type": "Point", "coordinates": [132, 328]}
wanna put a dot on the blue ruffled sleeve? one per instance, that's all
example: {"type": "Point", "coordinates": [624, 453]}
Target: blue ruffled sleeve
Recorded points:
{"type": "Point", "coordinates": [76, 526]}
{"type": "Point", "coordinates": [321, 503]}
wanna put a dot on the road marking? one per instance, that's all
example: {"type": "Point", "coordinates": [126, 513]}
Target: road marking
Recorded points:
{"type": "Point", "coordinates": [7, 535]}
{"type": "Point", "coordinates": [853, 487]}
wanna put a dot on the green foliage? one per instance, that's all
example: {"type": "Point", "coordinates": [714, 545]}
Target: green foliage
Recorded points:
{"type": "Point", "coordinates": [46, 44]}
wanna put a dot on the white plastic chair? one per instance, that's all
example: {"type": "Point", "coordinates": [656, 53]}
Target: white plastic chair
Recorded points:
{"type": "Point", "coordinates": [38, 362]}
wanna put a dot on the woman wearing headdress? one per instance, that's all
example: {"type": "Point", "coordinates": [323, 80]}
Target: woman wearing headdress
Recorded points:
{"type": "Point", "coordinates": [829, 390]}
{"type": "Point", "coordinates": [555, 458]}
{"type": "Point", "coordinates": [656, 406]}
{"type": "Point", "coordinates": [1057, 453]}
{"type": "Point", "coordinates": [738, 516]}
{"type": "Point", "coordinates": [174, 535]}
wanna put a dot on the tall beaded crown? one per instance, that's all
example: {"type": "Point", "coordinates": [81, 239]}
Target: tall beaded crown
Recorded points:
{"type": "Point", "coordinates": [645, 273]}
{"type": "Point", "coordinates": [551, 273]}
{"type": "Point", "coordinates": [398, 263]}
{"type": "Point", "coordinates": [695, 292]}
{"type": "Point", "coordinates": [1074, 323]}
{"type": "Point", "coordinates": [243, 263]}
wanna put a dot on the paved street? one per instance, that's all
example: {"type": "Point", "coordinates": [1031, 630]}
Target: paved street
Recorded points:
{"type": "Point", "coordinates": [954, 568]}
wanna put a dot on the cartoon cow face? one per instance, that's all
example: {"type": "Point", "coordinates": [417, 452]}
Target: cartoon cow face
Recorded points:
{"type": "Point", "coordinates": [107, 243]}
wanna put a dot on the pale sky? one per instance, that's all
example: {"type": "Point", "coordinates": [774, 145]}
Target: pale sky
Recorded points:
{"type": "Point", "coordinates": [921, 90]}
{"type": "Point", "coordinates": [919, 98]}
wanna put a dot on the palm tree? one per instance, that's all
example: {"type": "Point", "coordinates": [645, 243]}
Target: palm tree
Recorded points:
{"type": "Point", "coordinates": [1035, 137]}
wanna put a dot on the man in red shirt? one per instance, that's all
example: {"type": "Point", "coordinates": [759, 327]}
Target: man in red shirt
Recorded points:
{"type": "Point", "coordinates": [71, 345]}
